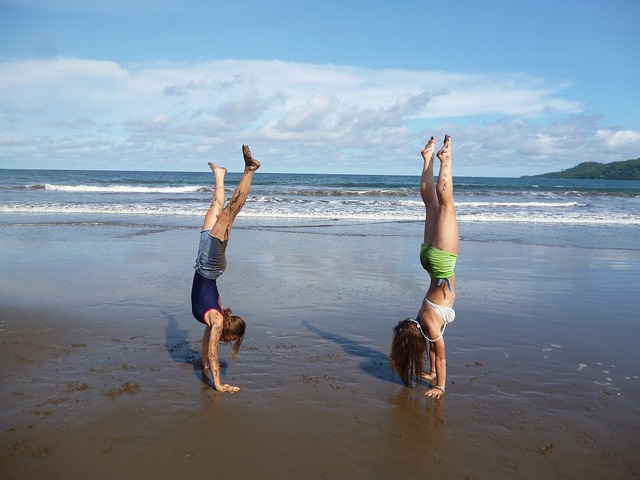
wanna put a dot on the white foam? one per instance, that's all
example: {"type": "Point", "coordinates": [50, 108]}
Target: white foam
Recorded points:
{"type": "Point", "coordinates": [276, 207]}
{"type": "Point", "coordinates": [120, 189]}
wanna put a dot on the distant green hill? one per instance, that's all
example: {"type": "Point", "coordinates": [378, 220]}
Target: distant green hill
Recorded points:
{"type": "Point", "coordinates": [628, 170]}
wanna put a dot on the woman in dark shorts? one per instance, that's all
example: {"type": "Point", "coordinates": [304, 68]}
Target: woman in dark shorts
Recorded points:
{"type": "Point", "coordinates": [220, 324]}
{"type": "Point", "coordinates": [438, 255]}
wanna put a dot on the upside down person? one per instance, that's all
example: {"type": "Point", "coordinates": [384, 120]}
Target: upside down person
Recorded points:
{"type": "Point", "coordinates": [220, 324]}
{"type": "Point", "coordinates": [438, 254]}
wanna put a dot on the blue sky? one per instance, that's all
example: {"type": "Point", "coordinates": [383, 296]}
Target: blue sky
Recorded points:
{"type": "Point", "coordinates": [522, 86]}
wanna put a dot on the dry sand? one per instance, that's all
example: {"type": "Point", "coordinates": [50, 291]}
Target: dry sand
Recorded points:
{"type": "Point", "coordinates": [100, 364]}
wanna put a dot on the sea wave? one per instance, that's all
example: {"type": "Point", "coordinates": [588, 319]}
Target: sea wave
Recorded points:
{"type": "Point", "coordinates": [117, 188]}
{"type": "Point", "coordinates": [364, 211]}
{"type": "Point", "coordinates": [411, 203]}
{"type": "Point", "coordinates": [102, 209]}
{"type": "Point", "coordinates": [522, 204]}
{"type": "Point", "coordinates": [355, 192]}
{"type": "Point", "coordinates": [556, 220]}
{"type": "Point", "coordinates": [466, 193]}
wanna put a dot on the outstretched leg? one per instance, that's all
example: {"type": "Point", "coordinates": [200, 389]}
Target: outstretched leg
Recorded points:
{"type": "Point", "coordinates": [428, 192]}
{"type": "Point", "coordinates": [217, 202]}
{"type": "Point", "coordinates": [447, 235]}
{"type": "Point", "coordinates": [222, 226]}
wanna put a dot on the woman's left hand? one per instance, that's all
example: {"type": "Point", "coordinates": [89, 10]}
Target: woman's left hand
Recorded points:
{"type": "Point", "coordinates": [228, 388]}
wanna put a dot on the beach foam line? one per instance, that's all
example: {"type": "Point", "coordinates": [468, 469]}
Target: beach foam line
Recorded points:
{"type": "Point", "coordinates": [121, 189]}
{"type": "Point", "coordinates": [288, 210]}
{"type": "Point", "coordinates": [522, 204]}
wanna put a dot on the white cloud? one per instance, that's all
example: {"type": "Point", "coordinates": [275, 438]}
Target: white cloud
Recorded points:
{"type": "Point", "coordinates": [621, 139]}
{"type": "Point", "coordinates": [346, 118]}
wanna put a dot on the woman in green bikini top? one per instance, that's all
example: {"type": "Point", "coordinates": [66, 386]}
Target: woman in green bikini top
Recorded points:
{"type": "Point", "coordinates": [438, 254]}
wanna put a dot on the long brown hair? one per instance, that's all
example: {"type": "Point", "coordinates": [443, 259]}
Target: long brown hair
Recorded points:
{"type": "Point", "coordinates": [232, 325]}
{"type": "Point", "coordinates": [408, 349]}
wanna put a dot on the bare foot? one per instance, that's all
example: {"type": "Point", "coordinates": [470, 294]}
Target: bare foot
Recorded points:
{"type": "Point", "coordinates": [429, 148]}
{"type": "Point", "coordinates": [216, 169]}
{"type": "Point", "coordinates": [445, 151]}
{"type": "Point", "coordinates": [250, 163]}
{"type": "Point", "coordinates": [434, 392]}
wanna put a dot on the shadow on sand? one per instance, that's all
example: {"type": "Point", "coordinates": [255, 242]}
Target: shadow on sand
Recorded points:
{"type": "Point", "coordinates": [177, 343]}
{"type": "Point", "coordinates": [375, 363]}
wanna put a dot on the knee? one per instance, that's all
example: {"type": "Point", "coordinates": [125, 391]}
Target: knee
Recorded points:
{"type": "Point", "coordinates": [447, 208]}
{"type": "Point", "coordinates": [222, 223]}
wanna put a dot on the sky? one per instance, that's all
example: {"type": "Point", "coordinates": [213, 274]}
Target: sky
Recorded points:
{"type": "Point", "coordinates": [319, 86]}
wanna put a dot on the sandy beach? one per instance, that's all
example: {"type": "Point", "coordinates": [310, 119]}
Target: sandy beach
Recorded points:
{"type": "Point", "coordinates": [101, 376]}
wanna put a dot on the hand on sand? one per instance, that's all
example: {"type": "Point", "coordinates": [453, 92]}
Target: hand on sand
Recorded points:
{"type": "Point", "coordinates": [434, 393]}
{"type": "Point", "coordinates": [228, 388]}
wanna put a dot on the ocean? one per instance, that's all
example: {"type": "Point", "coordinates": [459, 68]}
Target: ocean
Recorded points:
{"type": "Point", "coordinates": [585, 213]}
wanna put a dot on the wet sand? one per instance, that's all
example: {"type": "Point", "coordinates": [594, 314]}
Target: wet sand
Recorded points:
{"type": "Point", "coordinates": [101, 377]}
